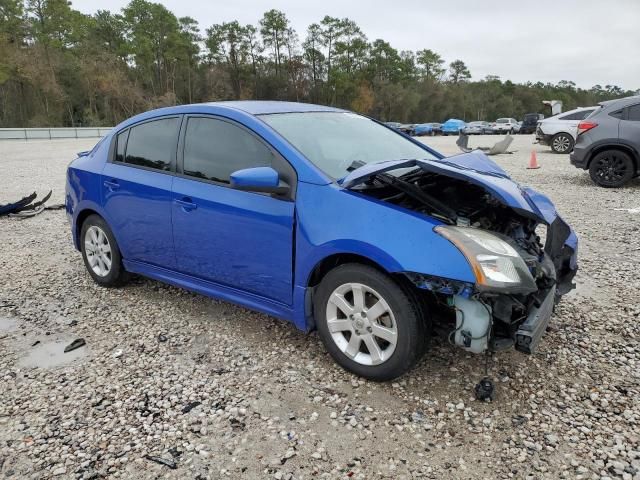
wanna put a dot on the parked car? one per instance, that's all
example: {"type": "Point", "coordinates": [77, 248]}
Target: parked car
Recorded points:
{"type": "Point", "coordinates": [530, 122]}
{"type": "Point", "coordinates": [453, 126]}
{"type": "Point", "coordinates": [422, 129]}
{"type": "Point", "coordinates": [394, 125]}
{"type": "Point", "coordinates": [357, 231]}
{"type": "Point", "coordinates": [432, 129]}
{"type": "Point", "coordinates": [608, 143]}
{"type": "Point", "coordinates": [407, 128]}
{"type": "Point", "coordinates": [560, 131]}
{"type": "Point", "coordinates": [505, 125]}
{"type": "Point", "coordinates": [437, 128]}
{"type": "Point", "coordinates": [477, 128]}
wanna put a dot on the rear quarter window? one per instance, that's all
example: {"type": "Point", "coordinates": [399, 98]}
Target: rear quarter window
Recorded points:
{"type": "Point", "coordinates": [633, 113]}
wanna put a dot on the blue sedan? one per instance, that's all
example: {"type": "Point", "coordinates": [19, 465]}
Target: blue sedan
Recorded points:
{"type": "Point", "coordinates": [357, 231]}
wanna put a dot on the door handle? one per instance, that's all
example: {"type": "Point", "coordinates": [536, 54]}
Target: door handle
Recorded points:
{"type": "Point", "coordinates": [186, 204]}
{"type": "Point", "coordinates": [112, 185]}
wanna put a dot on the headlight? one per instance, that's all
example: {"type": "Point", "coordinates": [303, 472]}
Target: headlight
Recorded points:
{"type": "Point", "coordinates": [496, 264]}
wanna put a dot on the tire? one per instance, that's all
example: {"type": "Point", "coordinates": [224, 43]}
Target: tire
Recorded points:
{"type": "Point", "coordinates": [99, 247]}
{"type": "Point", "coordinates": [562, 143]}
{"type": "Point", "coordinates": [401, 320]}
{"type": "Point", "coordinates": [611, 168]}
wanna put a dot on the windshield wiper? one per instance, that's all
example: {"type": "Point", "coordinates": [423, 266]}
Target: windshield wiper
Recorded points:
{"type": "Point", "coordinates": [356, 164]}
{"type": "Point", "coordinates": [418, 194]}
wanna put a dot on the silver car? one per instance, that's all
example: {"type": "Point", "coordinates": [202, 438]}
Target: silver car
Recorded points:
{"type": "Point", "coordinates": [477, 128]}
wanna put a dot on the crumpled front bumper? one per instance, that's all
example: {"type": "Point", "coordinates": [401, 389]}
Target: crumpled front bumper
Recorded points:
{"type": "Point", "coordinates": [528, 335]}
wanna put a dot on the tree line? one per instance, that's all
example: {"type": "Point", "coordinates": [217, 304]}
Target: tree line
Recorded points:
{"type": "Point", "coordinates": [60, 67]}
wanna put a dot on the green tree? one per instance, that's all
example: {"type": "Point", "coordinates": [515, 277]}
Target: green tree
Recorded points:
{"type": "Point", "coordinates": [458, 71]}
{"type": "Point", "coordinates": [431, 64]}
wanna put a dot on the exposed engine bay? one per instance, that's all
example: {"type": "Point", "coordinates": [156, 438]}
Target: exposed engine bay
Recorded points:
{"type": "Point", "coordinates": [485, 319]}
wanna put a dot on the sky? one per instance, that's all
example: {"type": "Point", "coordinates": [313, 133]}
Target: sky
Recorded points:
{"type": "Point", "coordinates": [587, 41]}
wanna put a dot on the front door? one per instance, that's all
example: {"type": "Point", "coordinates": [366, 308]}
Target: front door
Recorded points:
{"type": "Point", "coordinates": [235, 238]}
{"type": "Point", "coordinates": [136, 191]}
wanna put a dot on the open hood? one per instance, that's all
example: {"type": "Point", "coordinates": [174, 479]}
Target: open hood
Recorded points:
{"type": "Point", "coordinates": [486, 176]}
{"type": "Point", "coordinates": [474, 167]}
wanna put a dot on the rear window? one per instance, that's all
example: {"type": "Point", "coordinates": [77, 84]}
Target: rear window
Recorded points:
{"type": "Point", "coordinates": [581, 115]}
{"type": "Point", "coordinates": [153, 144]}
{"type": "Point", "coordinates": [633, 113]}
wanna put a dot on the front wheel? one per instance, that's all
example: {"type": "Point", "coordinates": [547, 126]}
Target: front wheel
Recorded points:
{"type": "Point", "coordinates": [562, 143]}
{"type": "Point", "coordinates": [368, 323]}
{"type": "Point", "coordinates": [611, 169]}
{"type": "Point", "coordinates": [100, 253]}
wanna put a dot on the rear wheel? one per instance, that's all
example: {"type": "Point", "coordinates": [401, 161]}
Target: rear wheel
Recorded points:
{"type": "Point", "coordinates": [611, 168]}
{"type": "Point", "coordinates": [100, 253]}
{"type": "Point", "coordinates": [562, 143]}
{"type": "Point", "coordinates": [369, 324]}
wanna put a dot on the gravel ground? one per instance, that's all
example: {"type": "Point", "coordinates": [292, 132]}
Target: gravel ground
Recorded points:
{"type": "Point", "coordinates": [222, 392]}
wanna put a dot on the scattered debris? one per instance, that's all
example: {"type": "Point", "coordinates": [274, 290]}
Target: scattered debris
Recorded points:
{"type": "Point", "coordinates": [190, 406]}
{"type": "Point", "coordinates": [499, 148]}
{"type": "Point", "coordinates": [15, 206]}
{"type": "Point", "coordinates": [35, 343]}
{"type": "Point", "coordinates": [117, 353]}
{"type": "Point", "coordinates": [77, 343]}
{"type": "Point", "coordinates": [162, 338]}
{"type": "Point", "coordinates": [175, 453]}
{"type": "Point", "coordinates": [485, 390]}
{"type": "Point", "coordinates": [27, 213]}
{"type": "Point", "coordinates": [24, 208]}
{"type": "Point", "coordinates": [167, 462]}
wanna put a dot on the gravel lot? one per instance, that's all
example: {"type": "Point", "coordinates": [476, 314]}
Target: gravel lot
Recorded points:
{"type": "Point", "coordinates": [235, 394]}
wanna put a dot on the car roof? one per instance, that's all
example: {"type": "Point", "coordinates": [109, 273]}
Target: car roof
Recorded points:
{"type": "Point", "coordinates": [250, 107]}
{"type": "Point", "coordinates": [621, 102]}
{"type": "Point", "coordinates": [261, 107]}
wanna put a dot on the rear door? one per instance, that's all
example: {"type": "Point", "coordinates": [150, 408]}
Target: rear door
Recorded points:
{"type": "Point", "coordinates": [136, 190]}
{"type": "Point", "coordinates": [235, 238]}
{"type": "Point", "coordinates": [630, 126]}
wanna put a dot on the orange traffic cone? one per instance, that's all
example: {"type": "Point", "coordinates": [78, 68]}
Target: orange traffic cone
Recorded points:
{"type": "Point", "coordinates": [533, 161]}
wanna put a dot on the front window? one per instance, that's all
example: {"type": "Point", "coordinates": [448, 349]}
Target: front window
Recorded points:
{"type": "Point", "coordinates": [214, 149]}
{"type": "Point", "coordinates": [339, 142]}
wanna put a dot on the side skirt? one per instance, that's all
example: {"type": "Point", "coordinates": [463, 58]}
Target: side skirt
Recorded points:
{"type": "Point", "coordinates": [210, 289]}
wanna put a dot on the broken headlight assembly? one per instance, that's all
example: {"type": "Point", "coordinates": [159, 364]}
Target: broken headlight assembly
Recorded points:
{"type": "Point", "coordinates": [496, 265]}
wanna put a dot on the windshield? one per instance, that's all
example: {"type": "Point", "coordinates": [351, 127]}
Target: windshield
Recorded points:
{"type": "Point", "coordinates": [340, 142]}
{"type": "Point", "coordinates": [502, 120]}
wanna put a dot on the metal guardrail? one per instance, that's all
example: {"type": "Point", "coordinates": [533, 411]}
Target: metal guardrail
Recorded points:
{"type": "Point", "coordinates": [52, 133]}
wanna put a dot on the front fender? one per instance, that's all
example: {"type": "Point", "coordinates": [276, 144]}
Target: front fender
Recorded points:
{"type": "Point", "coordinates": [331, 220]}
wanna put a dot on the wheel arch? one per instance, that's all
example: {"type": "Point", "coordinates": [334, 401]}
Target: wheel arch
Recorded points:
{"type": "Point", "coordinates": [80, 219]}
{"type": "Point", "coordinates": [330, 262]}
{"type": "Point", "coordinates": [615, 146]}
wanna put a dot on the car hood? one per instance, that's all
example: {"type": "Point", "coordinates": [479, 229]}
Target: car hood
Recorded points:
{"type": "Point", "coordinates": [474, 167]}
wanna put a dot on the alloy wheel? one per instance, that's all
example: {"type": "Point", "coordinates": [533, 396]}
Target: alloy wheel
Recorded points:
{"type": "Point", "coordinates": [361, 324]}
{"type": "Point", "coordinates": [611, 169]}
{"type": "Point", "coordinates": [98, 251]}
{"type": "Point", "coordinates": [561, 143]}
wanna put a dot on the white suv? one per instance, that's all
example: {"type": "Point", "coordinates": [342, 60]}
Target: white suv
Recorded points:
{"type": "Point", "coordinates": [506, 125]}
{"type": "Point", "coordinates": [560, 131]}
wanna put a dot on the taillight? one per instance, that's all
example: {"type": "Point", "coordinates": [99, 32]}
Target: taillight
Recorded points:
{"type": "Point", "coordinates": [586, 126]}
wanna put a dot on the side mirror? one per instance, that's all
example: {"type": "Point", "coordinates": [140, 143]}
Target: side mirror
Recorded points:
{"type": "Point", "coordinates": [259, 179]}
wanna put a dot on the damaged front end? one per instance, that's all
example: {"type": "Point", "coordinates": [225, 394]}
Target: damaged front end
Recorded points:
{"type": "Point", "coordinates": [522, 254]}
